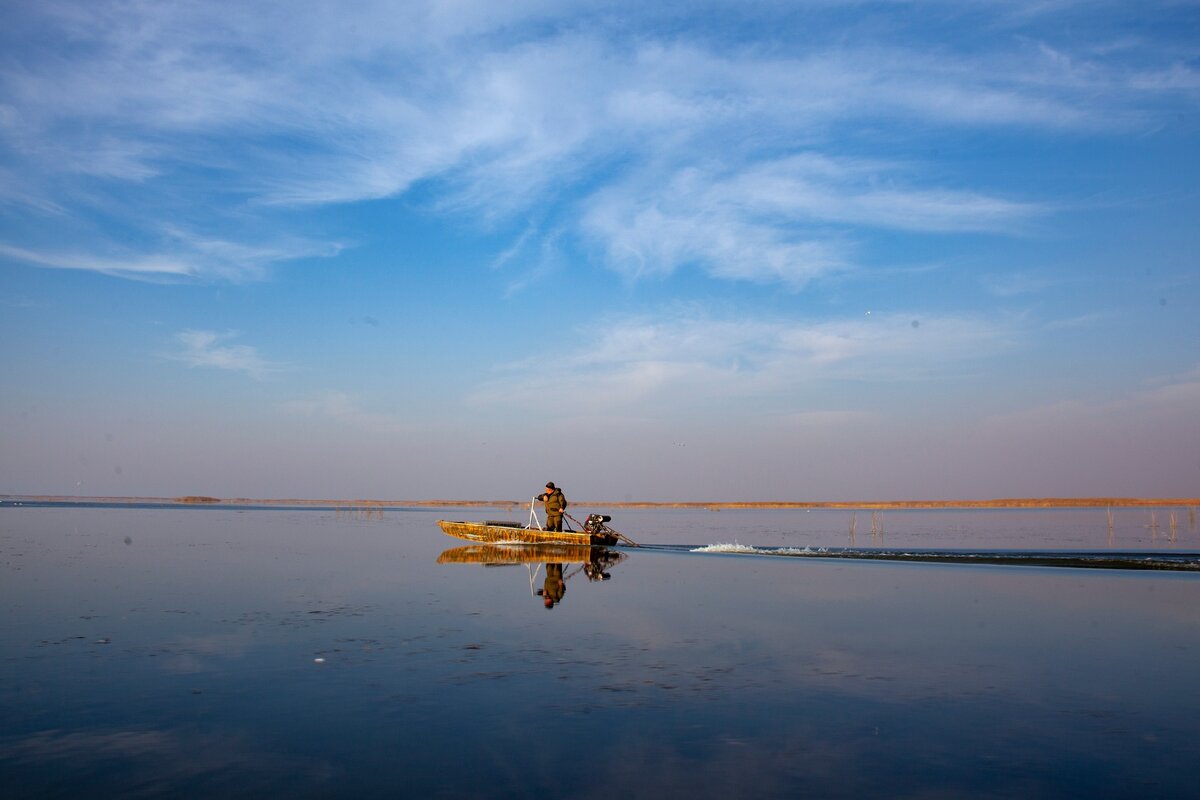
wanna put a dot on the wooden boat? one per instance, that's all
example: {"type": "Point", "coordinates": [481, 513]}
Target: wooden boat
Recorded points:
{"type": "Point", "coordinates": [513, 532]}
{"type": "Point", "coordinates": [555, 553]}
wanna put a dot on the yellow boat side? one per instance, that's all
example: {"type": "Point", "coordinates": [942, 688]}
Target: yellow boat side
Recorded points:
{"type": "Point", "coordinates": [482, 532]}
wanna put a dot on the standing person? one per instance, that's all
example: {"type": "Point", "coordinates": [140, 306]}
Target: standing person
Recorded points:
{"type": "Point", "coordinates": [556, 504]}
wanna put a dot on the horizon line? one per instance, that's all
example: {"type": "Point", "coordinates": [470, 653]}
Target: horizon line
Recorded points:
{"type": "Point", "coordinates": [1009, 502]}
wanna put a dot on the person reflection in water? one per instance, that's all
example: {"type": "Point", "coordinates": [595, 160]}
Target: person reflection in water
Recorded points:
{"type": "Point", "coordinates": [555, 587]}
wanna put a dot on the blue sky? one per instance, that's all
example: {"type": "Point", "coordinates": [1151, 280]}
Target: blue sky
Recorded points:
{"type": "Point", "coordinates": [672, 251]}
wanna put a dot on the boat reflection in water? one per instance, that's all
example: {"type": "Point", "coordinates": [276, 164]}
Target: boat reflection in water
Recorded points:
{"type": "Point", "coordinates": [561, 562]}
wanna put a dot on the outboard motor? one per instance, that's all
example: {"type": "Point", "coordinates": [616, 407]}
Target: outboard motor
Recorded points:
{"type": "Point", "coordinates": [594, 523]}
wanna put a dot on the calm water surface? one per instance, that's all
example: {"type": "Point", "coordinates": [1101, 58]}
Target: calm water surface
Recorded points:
{"type": "Point", "coordinates": [317, 654]}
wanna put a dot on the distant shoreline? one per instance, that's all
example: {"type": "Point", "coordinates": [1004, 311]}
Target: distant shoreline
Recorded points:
{"type": "Point", "coordinates": [1014, 502]}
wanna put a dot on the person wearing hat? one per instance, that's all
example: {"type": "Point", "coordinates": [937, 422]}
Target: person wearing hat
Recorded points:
{"type": "Point", "coordinates": [556, 504]}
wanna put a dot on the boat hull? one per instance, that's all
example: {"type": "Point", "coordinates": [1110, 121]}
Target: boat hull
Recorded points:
{"type": "Point", "coordinates": [484, 532]}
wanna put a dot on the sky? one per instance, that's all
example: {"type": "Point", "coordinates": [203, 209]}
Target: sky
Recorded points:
{"type": "Point", "coordinates": [675, 251]}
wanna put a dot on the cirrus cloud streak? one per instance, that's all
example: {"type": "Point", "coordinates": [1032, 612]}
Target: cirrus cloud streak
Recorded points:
{"type": "Point", "coordinates": [697, 361]}
{"type": "Point", "coordinates": [210, 349]}
{"type": "Point", "coordinates": [536, 110]}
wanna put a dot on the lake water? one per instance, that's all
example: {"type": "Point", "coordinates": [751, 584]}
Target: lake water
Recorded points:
{"type": "Point", "coordinates": [313, 653]}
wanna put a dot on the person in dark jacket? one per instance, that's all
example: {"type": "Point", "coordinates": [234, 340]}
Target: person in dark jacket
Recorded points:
{"type": "Point", "coordinates": [556, 504]}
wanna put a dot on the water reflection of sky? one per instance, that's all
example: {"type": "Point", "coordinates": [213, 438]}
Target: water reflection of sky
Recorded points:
{"type": "Point", "coordinates": [186, 661]}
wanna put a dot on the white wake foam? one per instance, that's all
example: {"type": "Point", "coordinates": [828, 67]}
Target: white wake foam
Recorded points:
{"type": "Point", "coordinates": [745, 549]}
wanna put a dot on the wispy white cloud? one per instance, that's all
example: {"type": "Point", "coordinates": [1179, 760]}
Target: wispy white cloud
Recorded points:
{"type": "Point", "coordinates": [642, 363]}
{"type": "Point", "coordinates": [136, 266]}
{"type": "Point", "coordinates": [642, 237]}
{"type": "Point", "coordinates": [241, 260]}
{"type": "Point", "coordinates": [770, 220]}
{"type": "Point", "coordinates": [513, 250]}
{"type": "Point", "coordinates": [185, 255]}
{"type": "Point", "coordinates": [537, 104]}
{"type": "Point", "coordinates": [201, 348]}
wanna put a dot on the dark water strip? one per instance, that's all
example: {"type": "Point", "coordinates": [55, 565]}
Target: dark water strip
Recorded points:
{"type": "Point", "coordinates": [1075, 559]}
{"type": "Point", "coordinates": [221, 506]}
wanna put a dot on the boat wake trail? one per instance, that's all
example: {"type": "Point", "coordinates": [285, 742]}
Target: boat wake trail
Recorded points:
{"type": "Point", "coordinates": [1023, 558]}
